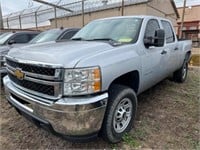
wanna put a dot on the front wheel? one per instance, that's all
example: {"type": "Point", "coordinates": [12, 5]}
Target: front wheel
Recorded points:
{"type": "Point", "coordinates": [181, 74]}
{"type": "Point", "coordinates": [120, 113]}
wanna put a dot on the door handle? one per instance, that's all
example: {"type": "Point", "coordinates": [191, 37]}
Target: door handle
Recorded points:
{"type": "Point", "coordinates": [163, 52]}
{"type": "Point", "coordinates": [176, 48]}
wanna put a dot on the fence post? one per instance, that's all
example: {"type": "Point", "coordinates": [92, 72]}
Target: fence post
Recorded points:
{"type": "Point", "coordinates": [83, 14]}
{"type": "Point", "coordinates": [7, 23]}
{"type": "Point", "coordinates": [36, 22]}
{"type": "Point", "coordinates": [122, 8]}
{"type": "Point", "coordinates": [1, 18]}
{"type": "Point", "coordinates": [55, 17]}
{"type": "Point", "coordinates": [20, 22]}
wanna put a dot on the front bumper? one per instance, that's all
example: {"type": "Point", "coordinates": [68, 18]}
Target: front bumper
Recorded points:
{"type": "Point", "coordinates": [73, 117]}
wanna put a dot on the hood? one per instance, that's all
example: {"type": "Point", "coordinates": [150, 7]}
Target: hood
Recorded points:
{"type": "Point", "coordinates": [67, 54]}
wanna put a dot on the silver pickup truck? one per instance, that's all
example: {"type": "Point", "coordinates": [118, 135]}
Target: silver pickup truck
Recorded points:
{"type": "Point", "coordinates": [88, 86]}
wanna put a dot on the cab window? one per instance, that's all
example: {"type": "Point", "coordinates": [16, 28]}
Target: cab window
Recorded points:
{"type": "Point", "coordinates": [151, 27]}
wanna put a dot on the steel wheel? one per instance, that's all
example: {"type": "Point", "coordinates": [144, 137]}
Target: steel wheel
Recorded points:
{"type": "Point", "coordinates": [122, 115]}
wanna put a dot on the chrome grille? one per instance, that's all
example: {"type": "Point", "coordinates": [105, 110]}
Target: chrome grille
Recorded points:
{"type": "Point", "coordinates": [31, 68]}
{"type": "Point", "coordinates": [45, 89]}
{"type": "Point", "coordinates": [41, 80]}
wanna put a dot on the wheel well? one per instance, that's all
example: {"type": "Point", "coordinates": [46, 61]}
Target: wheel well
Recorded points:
{"type": "Point", "coordinates": [130, 79]}
{"type": "Point", "coordinates": [187, 56]}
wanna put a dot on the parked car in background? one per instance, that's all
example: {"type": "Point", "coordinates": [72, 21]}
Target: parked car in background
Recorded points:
{"type": "Point", "coordinates": [54, 35]}
{"type": "Point", "coordinates": [10, 39]}
{"type": "Point", "coordinates": [51, 35]}
{"type": "Point", "coordinates": [18, 37]}
{"type": "Point", "coordinates": [90, 84]}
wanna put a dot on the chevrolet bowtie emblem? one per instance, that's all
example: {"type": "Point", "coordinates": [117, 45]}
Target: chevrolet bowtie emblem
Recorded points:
{"type": "Point", "coordinates": [19, 74]}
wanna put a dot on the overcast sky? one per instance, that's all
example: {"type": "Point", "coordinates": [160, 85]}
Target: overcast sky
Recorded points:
{"type": "Point", "coordinates": [10, 6]}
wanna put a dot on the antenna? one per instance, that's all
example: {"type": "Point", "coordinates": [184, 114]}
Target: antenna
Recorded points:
{"type": "Point", "coordinates": [30, 3]}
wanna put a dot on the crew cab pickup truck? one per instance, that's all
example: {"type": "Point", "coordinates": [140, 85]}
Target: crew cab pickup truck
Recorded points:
{"type": "Point", "coordinates": [89, 85]}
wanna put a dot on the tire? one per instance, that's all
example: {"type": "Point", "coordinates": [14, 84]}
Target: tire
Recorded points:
{"type": "Point", "coordinates": [120, 113]}
{"type": "Point", "coordinates": [181, 74]}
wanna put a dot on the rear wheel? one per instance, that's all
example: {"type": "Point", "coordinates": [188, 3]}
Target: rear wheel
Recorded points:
{"type": "Point", "coordinates": [181, 74]}
{"type": "Point", "coordinates": [120, 113]}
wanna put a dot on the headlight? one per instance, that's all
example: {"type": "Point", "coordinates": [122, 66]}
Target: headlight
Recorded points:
{"type": "Point", "coordinates": [82, 81]}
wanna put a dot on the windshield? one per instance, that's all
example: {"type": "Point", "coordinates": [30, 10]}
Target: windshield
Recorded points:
{"type": "Point", "coordinates": [123, 30]}
{"type": "Point", "coordinates": [46, 36]}
{"type": "Point", "coordinates": [4, 37]}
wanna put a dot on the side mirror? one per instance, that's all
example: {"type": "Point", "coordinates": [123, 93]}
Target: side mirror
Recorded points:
{"type": "Point", "coordinates": [148, 41]}
{"type": "Point", "coordinates": [11, 42]}
{"type": "Point", "coordinates": [158, 40]}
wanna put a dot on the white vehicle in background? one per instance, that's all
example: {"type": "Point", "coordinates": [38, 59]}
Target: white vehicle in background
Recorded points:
{"type": "Point", "coordinates": [9, 40]}
{"type": "Point", "coordinates": [57, 34]}
{"type": "Point", "coordinates": [18, 39]}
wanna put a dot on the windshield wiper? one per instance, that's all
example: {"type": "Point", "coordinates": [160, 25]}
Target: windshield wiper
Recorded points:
{"type": "Point", "coordinates": [112, 41]}
{"type": "Point", "coordinates": [78, 39]}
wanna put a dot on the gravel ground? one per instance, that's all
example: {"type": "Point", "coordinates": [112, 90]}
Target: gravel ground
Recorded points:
{"type": "Point", "coordinates": [167, 118]}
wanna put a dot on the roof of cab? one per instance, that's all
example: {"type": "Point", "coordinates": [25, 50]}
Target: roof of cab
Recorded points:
{"type": "Point", "coordinates": [138, 16]}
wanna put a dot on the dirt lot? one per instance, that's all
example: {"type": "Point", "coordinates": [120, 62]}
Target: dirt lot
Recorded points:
{"type": "Point", "coordinates": [168, 118]}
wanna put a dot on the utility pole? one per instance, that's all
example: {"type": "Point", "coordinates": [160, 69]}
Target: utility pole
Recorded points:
{"type": "Point", "coordinates": [122, 12]}
{"type": "Point", "coordinates": [182, 20]}
{"type": "Point", "coordinates": [1, 18]}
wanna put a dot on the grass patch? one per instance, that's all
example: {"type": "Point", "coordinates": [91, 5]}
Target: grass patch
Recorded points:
{"type": "Point", "coordinates": [113, 146]}
{"type": "Point", "coordinates": [130, 140]}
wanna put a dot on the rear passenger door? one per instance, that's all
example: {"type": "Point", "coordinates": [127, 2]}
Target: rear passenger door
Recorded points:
{"type": "Point", "coordinates": [170, 46]}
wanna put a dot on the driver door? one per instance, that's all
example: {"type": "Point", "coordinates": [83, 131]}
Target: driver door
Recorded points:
{"type": "Point", "coordinates": [153, 59]}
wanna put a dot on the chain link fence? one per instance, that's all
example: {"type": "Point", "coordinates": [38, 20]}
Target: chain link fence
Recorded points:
{"type": "Point", "coordinates": [40, 16]}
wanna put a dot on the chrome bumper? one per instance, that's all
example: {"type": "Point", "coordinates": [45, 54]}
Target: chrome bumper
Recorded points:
{"type": "Point", "coordinates": [76, 116]}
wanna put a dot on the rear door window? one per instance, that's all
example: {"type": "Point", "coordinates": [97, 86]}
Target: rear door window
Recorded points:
{"type": "Point", "coordinates": [169, 34]}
